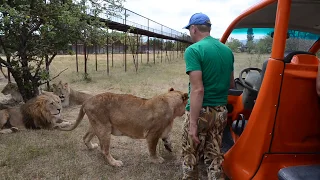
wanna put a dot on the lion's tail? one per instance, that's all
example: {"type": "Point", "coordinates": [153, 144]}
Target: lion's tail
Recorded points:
{"type": "Point", "coordinates": [79, 119]}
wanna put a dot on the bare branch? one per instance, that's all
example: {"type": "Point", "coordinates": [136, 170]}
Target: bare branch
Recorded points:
{"type": "Point", "coordinates": [52, 57]}
{"type": "Point", "coordinates": [4, 47]}
{"type": "Point", "coordinates": [53, 77]}
{"type": "Point", "coordinates": [38, 68]}
{"type": "Point", "coordinates": [5, 63]}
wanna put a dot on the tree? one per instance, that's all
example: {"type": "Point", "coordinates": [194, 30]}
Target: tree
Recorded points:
{"type": "Point", "coordinates": [134, 43]}
{"type": "Point", "coordinates": [234, 44]}
{"type": "Point", "coordinates": [169, 45]}
{"type": "Point", "coordinates": [250, 35]}
{"type": "Point", "coordinates": [250, 43]}
{"type": "Point", "coordinates": [33, 32]}
{"type": "Point", "coordinates": [264, 45]}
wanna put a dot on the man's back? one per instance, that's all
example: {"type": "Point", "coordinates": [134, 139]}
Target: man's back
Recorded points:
{"type": "Point", "coordinates": [215, 60]}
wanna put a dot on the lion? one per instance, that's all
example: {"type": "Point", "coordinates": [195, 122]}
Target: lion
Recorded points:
{"type": "Point", "coordinates": [68, 95]}
{"type": "Point", "coordinates": [40, 112]}
{"type": "Point", "coordinates": [131, 116]}
{"type": "Point", "coordinates": [12, 89]}
{"type": "Point", "coordinates": [11, 120]}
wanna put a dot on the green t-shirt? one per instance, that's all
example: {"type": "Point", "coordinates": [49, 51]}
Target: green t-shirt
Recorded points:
{"type": "Point", "coordinates": [215, 60]}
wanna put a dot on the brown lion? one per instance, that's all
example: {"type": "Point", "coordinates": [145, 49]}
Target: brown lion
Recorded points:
{"type": "Point", "coordinates": [128, 115]}
{"type": "Point", "coordinates": [12, 89]}
{"type": "Point", "coordinates": [41, 112]}
{"type": "Point", "coordinates": [68, 95]}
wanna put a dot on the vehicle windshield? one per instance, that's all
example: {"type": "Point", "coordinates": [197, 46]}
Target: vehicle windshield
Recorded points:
{"type": "Point", "coordinates": [252, 46]}
{"type": "Point", "coordinates": [259, 40]}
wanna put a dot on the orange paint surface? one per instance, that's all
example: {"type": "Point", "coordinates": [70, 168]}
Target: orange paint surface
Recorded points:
{"type": "Point", "coordinates": [284, 126]}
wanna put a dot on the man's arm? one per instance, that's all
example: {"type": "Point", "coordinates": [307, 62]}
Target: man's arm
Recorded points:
{"type": "Point", "coordinates": [232, 85]}
{"type": "Point", "coordinates": [318, 81]}
{"type": "Point", "coordinates": [194, 70]}
{"type": "Point", "coordinates": [196, 95]}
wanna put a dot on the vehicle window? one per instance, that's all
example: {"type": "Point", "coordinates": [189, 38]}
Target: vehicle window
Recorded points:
{"type": "Point", "coordinates": [259, 40]}
{"type": "Point", "coordinates": [252, 46]}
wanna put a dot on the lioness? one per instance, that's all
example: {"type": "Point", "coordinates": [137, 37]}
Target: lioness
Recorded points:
{"type": "Point", "coordinates": [12, 89]}
{"type": "Point", "coordinates": [68, 95]}
{"type": "Point", "coordinates": [41, 112]}
{"type": "Point", "coordinates": [128, 115]}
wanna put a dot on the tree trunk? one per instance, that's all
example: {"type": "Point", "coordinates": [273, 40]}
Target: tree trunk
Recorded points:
{"type": "Point", "coordinates": [47, 69]}
{"type": "Point", "coordinates": [85, 57]}
{"type": "Point", "coordinates": [27, 85]}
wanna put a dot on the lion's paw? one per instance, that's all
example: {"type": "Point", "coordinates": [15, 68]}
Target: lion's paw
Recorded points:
{"type": "Point", "coordinates": [64, 124]}
{"type": "Point", "coordinates": [157, 160]}
{"type": "Point", "coordinates": [14, 129]}
{"type": "Point", "coordinates": [92, 146]}
{"type": "Point", "coordinates": [5, 131]}
{"type": "Point", "coordinates": [117, 163]}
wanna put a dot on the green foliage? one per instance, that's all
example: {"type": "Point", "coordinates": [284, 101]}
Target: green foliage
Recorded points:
{"type": "Point", "coordinates": [250, 35]}
{"type": "Point", "coordinates": [251, 46]}
{"type": "Point", "coordinates": [264, 45]}
{"type": "Point", "coordinates": [234, 44]}
{"type": "Point", "coordinates": [33, 32]}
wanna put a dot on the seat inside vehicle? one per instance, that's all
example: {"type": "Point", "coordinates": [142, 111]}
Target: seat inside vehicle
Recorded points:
{"type": "Point", "coordinates": [304, 172]}
{"type": "Point", "coordinates": [239, 125]}
{"type": "Point", "coordinates": [288, 55]}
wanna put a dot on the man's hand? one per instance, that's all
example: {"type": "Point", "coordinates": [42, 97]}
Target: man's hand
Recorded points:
{"type": "Point", "coordinates": [193, 132]}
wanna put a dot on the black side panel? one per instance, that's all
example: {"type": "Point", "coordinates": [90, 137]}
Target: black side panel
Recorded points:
{"type": "Point", "coordinates": [234, 92]}
{"type": "Point", "coordinates": [227, 141]}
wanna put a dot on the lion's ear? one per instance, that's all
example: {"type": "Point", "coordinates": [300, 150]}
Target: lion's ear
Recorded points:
{"type": "Point", "coordinates": [170, 89]}
{"type": "Point", "coordinates": [54, 85]}
{"type": "Point", "coordinates": [185, 96]}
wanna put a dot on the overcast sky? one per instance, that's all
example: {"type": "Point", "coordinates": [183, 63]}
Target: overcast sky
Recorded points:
{"type": "Point", "coordinates": [176, 13]}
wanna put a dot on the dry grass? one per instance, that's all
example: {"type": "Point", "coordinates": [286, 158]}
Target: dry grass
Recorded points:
{"type": "Point", "coordinates": [62, 155]}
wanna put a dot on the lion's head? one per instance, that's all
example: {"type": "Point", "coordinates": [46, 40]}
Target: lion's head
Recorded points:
{"type": "Point", "coordinates": [63, 91]}
{"type": "Point", "coordinates": [51, 103]}
{"type": "Point", "coordinates": [10, 88]}
{"type": "Point", "coordinates": [181, 100]}
{"type": "Point", "coordinates": [42, 111]}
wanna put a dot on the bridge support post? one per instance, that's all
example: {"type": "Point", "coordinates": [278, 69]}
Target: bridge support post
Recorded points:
{"type": "Point", "coordinates": [148, 51]}
{"type": "Point", "coordinates": [112, 48]}
{"type": "Point", "coordinates": [154, 51]}
{"type": "Point", "coordinates": [96, 56]}
{"type": "Point", "coordinates": [125, 53]}
{"type": "Point", "coordinates": [77, 64]}
{"type": "Point", "coordinates": [107, 54]}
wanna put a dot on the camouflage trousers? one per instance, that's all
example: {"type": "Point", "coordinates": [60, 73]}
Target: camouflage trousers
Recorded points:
{"type": "Point", "coordinates": [211, 123]}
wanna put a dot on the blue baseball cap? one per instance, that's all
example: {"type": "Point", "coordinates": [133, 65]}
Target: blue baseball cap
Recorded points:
{"type": "Point", "coordinates": [198, 19]}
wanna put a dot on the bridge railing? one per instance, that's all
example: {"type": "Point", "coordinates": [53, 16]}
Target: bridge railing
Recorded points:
{"type": "Point", "coordinates": [130, 18]}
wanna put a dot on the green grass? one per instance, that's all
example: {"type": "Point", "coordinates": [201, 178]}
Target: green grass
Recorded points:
{"type": "Point", "coordinates": [62, 155]}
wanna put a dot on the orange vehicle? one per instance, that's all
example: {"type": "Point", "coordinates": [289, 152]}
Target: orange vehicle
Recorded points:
{"type": "Point", "coordinates": [274, 114]}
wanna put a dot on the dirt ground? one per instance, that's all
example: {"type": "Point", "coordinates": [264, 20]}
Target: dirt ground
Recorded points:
{"type": "Point", "coordinates": [54, 154]}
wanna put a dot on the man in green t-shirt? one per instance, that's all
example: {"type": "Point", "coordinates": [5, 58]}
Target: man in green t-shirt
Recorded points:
{"type": "Point", "coordinates": [209, 64]}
